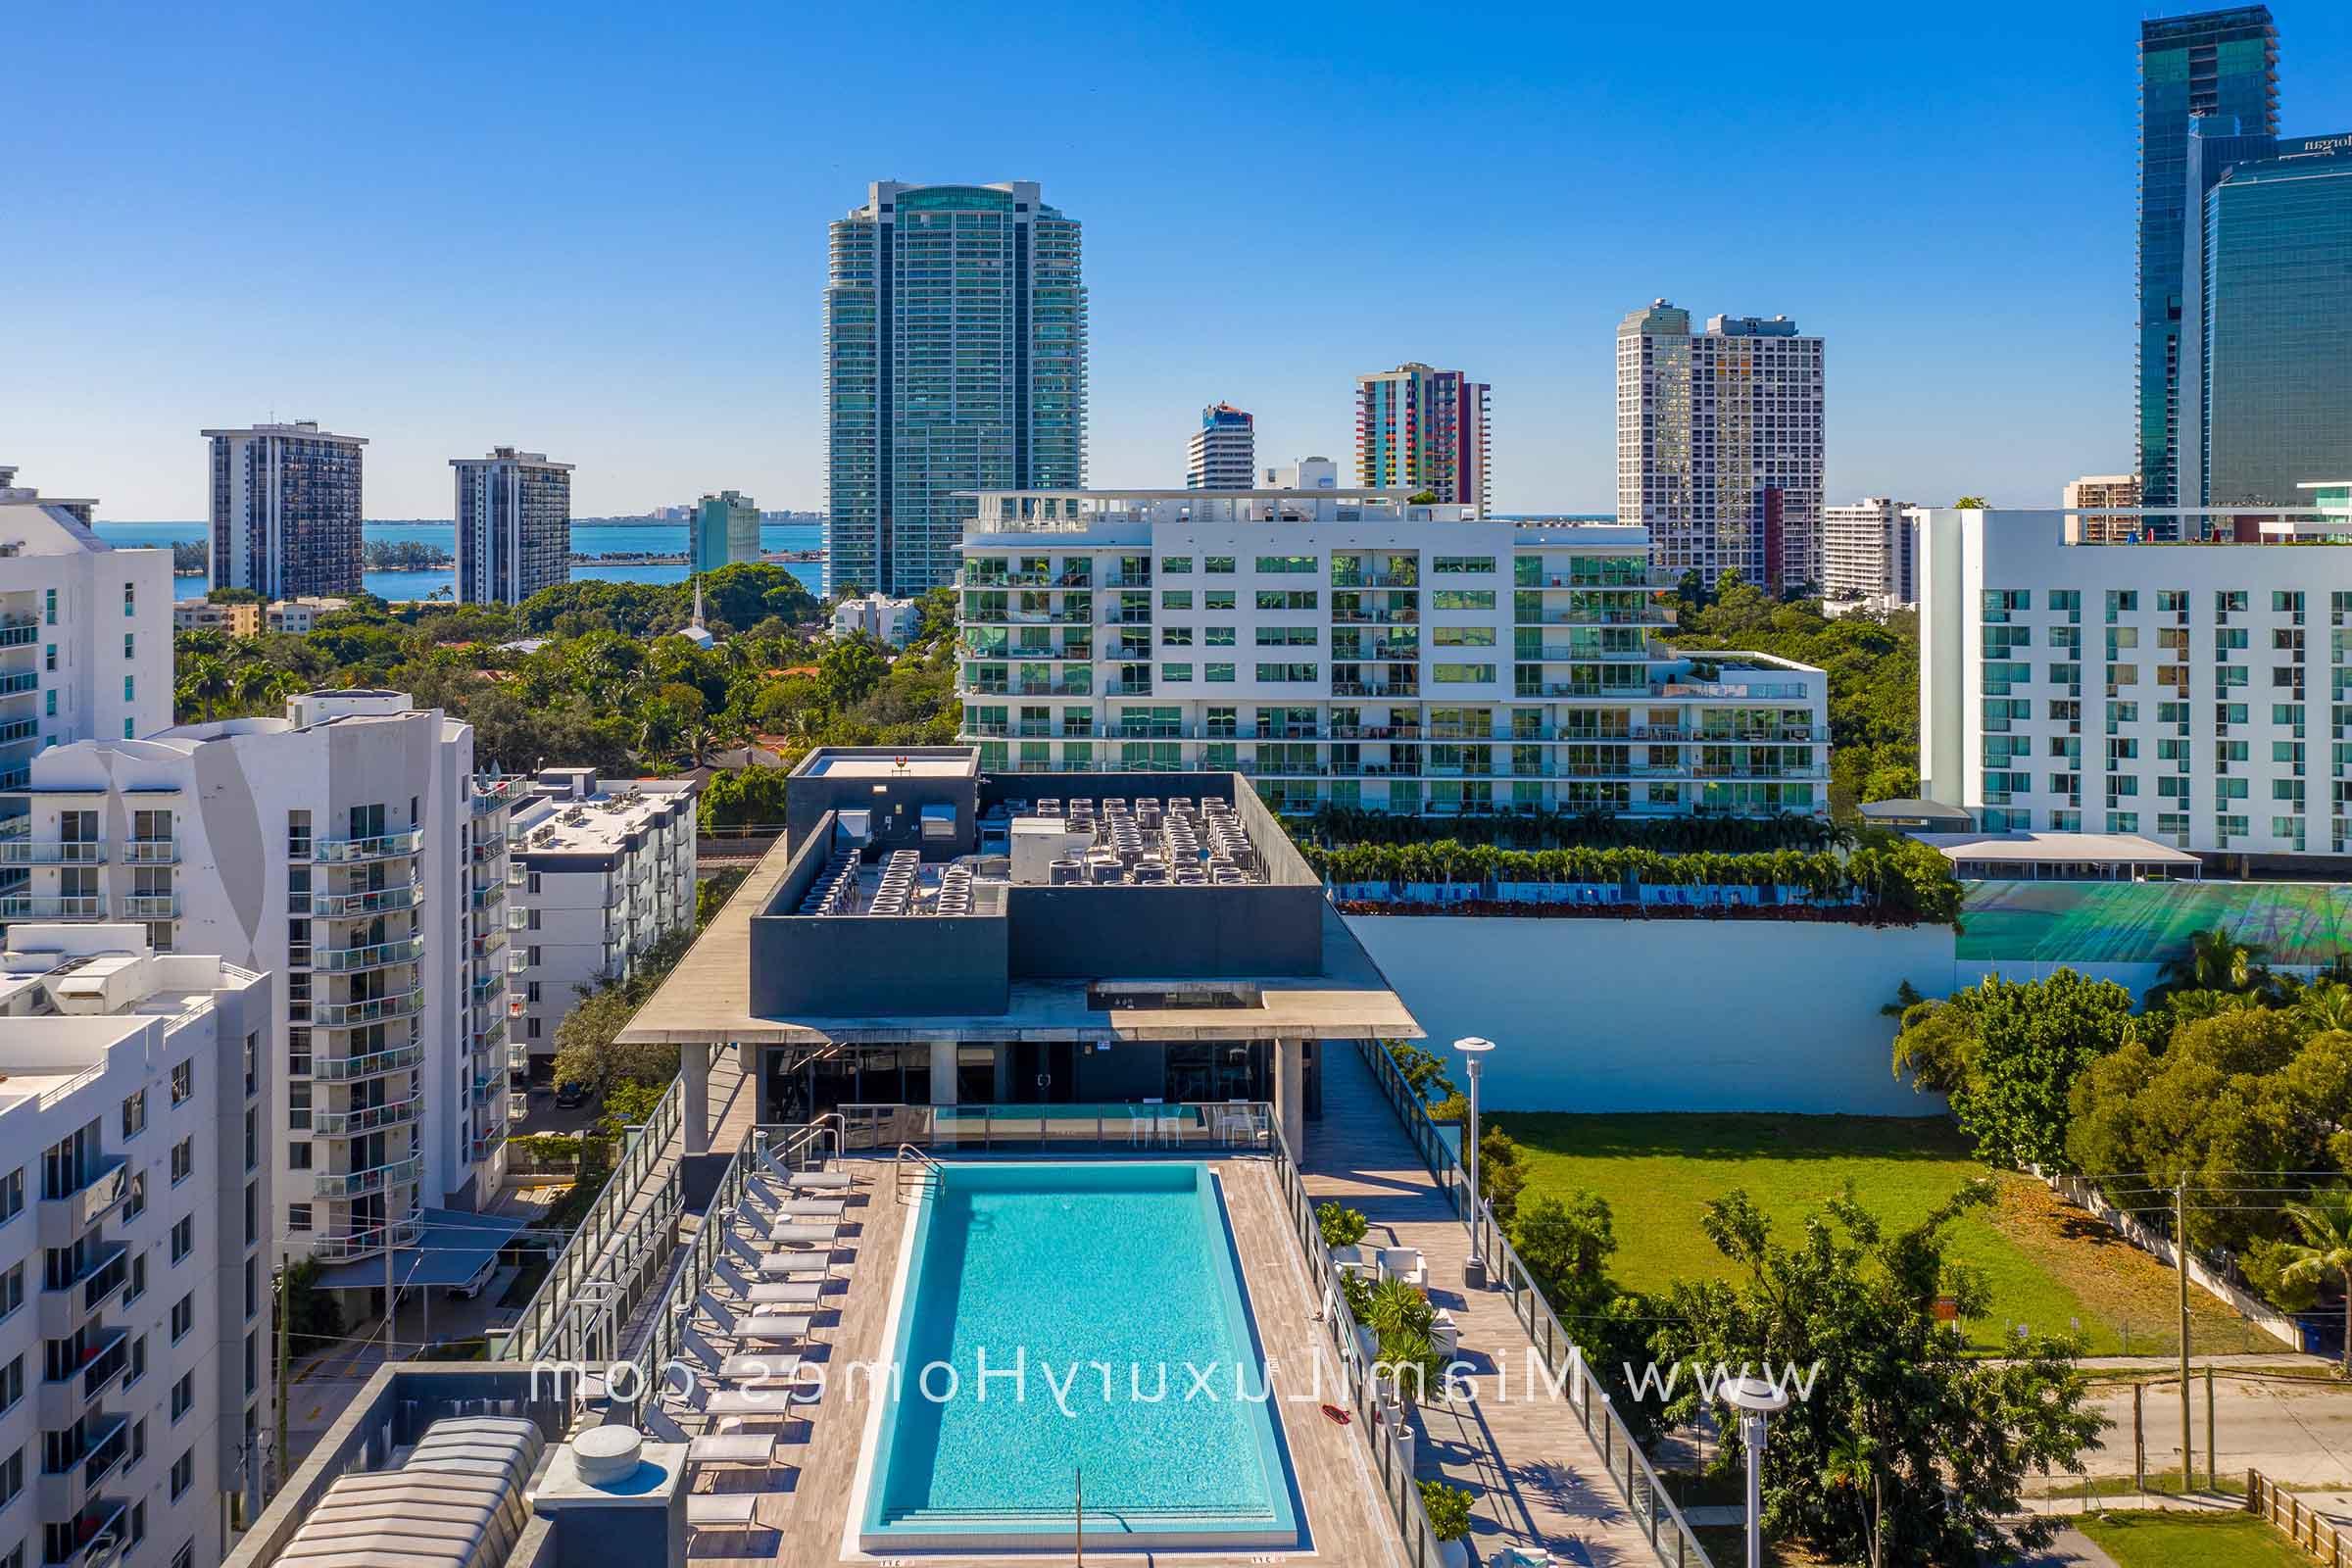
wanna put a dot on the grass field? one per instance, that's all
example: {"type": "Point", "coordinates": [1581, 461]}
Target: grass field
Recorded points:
{"type": "Point", "coordinates": [2050, 1265]}
{"type": "Point", "coordinates": [2191, 1541]}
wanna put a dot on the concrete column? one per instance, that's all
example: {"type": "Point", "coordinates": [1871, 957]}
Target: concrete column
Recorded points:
{"type": "Point", "coordinates": [1289, 1094]}
{"type": "Point", "coordinates": [943, 1072]}
{"type": "Point", "coordinates": [694, 1096]}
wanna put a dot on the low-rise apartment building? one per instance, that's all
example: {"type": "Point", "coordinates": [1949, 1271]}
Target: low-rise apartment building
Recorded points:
{"type": "Point", "coordinates": [136, 1354]}
{"type": "Point", "coordinates": [1353, 648]}
{"type": "Point", "coordinates": [349, 849]}
{"type": "Point", "coordinates": [2193, 693]}
{"type": "Point", "coordinates": [599, 871]}
{"type": "Point", "coordinates": [893, 620]}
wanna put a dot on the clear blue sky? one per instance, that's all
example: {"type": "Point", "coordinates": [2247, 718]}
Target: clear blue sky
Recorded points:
{"type": "Point", "coordinates": [601, 232]}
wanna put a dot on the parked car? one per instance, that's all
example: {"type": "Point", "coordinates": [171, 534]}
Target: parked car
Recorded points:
{"type": "Point", "coordinates": [571, 1094]}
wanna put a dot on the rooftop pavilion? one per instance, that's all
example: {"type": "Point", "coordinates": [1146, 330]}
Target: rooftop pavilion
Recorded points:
{"type": "Point", "coordinates": [927, 934]}
{"type": "Point", "coordinates": [1109, 512]}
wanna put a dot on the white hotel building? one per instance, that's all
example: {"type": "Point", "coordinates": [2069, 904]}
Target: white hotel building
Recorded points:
{"type": "Point", "coordinates": [1347, 646]}
{"type": "Point", "coordinates": [2197, 693]}
{"type": "Point", "coordinates": [601, 869]}
{"type": "Point", "coordinates": [348, 850]}
{"type": "Point", "coordinates": [135, 1331]}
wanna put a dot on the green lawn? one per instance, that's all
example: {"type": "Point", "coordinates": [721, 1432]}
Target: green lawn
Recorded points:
{"type": "Point", "coordinates": [2191, 1541]}
{"type": "Point", "coordinates": [2048, 1266]}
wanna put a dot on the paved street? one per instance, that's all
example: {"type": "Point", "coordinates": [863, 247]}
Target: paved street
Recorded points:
{"type": "Point", "coordinates": [2298, 1433]}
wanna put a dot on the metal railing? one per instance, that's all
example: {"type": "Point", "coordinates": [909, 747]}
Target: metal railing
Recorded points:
{"type": "Point", "coordinates": [1629, 1468]}
{"type": "Point", "coordinates": [605, 1267]}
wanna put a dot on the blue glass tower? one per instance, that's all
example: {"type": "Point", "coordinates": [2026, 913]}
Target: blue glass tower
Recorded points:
{"type": "Point", "coordinates": [2222, 63]}
{"type": "Point", "coordinates": [2272, 328]}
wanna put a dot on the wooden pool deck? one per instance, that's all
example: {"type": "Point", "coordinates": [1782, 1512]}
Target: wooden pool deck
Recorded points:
{"type": "Point", "coordinates": [1539, 1480]}
{"type": "Point", "coordinates": [803, 1512]}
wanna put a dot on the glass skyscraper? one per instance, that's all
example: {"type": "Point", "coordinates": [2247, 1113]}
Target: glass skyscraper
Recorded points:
{"type": "Point", "coordinates": [2222, 63]}
{"type": "Point", "coordinates": [2276, 325]}
{"type": "Point", "coordinates": [955, 361]}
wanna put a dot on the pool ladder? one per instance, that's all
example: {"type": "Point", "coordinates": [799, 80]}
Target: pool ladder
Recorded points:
{"type": "Point", "coordinates": [918, 1173]}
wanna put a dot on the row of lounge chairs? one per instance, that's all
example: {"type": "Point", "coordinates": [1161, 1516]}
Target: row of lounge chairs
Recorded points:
{"type": "Point", "coordinates": [751, 1333]}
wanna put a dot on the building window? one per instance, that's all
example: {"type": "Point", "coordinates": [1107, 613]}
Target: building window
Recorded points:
{"type": "Point", "coordinates": [298, 1217]}
{"type": "Point", "coordinates": [130, 599]}
{"type": "Point", "coordinates": [136, 1286]}
{"type": "Point", "coordinates": [12, 1194]}
{"type": "Point", "coordinates": [130, 688]}
{"type": "Point", "coordinates": [183, 1476]}
{"type": "Point", "coordinates": [12, 1477]}
{"type": "Point", "coordinates": [183, 1317]}
{"type": "Point", "coordinates": [12, 1291]}
{"type": "Point", "coordinates": [183, 1236]}
{"type": "Point", "coordinates": [184, 1394]}
{"type": "Point", "coordinates": [130, 647]}
{"type": "Point", "coordinates": [49, 607]}
{"type": "Point", "coordinates": [134, 1115]}
{"type": "Point", "coordinates": [12, 1383]}
{"type": "Point", "coordinates": [184, 1160]}
{"type": "Point", "coordinates": [184, 1081]}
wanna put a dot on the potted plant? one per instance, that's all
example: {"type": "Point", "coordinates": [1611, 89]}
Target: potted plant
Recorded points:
{"type": "Point", "coordinates": [1448, 1511]}
{"type": "Point", "coordinates": [1343, 1229]}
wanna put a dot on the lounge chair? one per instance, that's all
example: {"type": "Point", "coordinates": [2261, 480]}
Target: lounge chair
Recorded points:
{"type": "Point", "coordinates": [726, 1324]}
{"type": "Point", "coordinates": [1403, 1264]}
{"type": "Point", "coordinates": [759, 1367]}
{"type": "Point", "coordinates": [776, 1265]}
{"type": "Point", "coordinates": [785, 1292]}
{"type": "Point", "coordinates": [731, 1448]}
{"type": "Point", "coordinates": [822, 1181]}
{"type": "Point", "coordinates": [723, 1511]}
{"type": "Point", "coordinates": [798, 1234]}
{"type": "Point", "coordinates": [811, 1209]}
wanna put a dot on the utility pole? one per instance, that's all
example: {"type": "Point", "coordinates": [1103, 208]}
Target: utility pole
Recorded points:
{"type": "Point", "coordinates": [285, 1342]}
{"type": "Point", "coordinates": [2181, 1255]}
{"type": "Point", "coordinates": [2213, 1451]}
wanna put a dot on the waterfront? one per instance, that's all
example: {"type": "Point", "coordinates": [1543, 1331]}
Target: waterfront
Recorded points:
{"type": "Point", "coordinates": [587, 539]}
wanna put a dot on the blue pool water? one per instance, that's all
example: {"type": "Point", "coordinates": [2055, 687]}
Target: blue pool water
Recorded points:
{"type": "Point", "coordinates": [1061, 1266]}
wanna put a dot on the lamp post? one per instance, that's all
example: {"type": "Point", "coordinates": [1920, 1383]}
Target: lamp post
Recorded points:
{"type": "Point", "coordinates": [1757, 1401]}
{"type": "Point", "coordinates": [1473, 1050]}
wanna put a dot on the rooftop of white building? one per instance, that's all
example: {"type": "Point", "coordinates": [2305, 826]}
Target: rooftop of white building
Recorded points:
{"type": "Point", "coordinates": [576, 812]}
{"type": "Point", "coordinates": [69, 993]}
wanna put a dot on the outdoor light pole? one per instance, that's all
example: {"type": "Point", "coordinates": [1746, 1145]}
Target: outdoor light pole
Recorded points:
{"type": "Point", "coordinates": [1473, 1050]}
{"type": "Point", "coordinates": [1757, 1401]}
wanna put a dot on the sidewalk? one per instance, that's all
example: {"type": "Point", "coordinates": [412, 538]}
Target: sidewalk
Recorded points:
{"type": "Point", "coordinates": [1538, 1479]}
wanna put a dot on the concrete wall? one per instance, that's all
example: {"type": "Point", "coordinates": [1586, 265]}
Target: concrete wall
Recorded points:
{"type": "Point", "coordinates": [1124, 932]}
{"type": "Point", "coordinates": [1622, 1015]}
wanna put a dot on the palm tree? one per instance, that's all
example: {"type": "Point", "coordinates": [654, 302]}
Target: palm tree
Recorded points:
{"type": "Point", "coordinates": [2216, 960]}
{"type": "Point", "coordinates": [2326, 1251]}
{"type": "Point", "coordinates": [2323, 1006]}
{"type": "Point", "coordinates": [259, 685]}
{"type": "Point", "coordinates": [205, 682]}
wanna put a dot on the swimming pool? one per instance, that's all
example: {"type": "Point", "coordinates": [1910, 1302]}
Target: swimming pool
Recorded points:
{"type": "Point", "coordinates": [1060, 1272]}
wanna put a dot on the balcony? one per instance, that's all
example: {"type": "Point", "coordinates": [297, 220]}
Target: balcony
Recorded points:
{"type": "Point", "coordinates": [19, 683]}
{"type": "Point", "coordinates": [371, 1010]}
{"type": "Point", "coordinates": [1357, 688]}
{"type": "Point", "coordinates": [497, 793]}
{"type": "Point", "coordinates": [338, 1247]}
{"type": "Point", "coordinates": [367, 1119]}
{"type": "Point", "coordinates": [62, 1310]}
{"type": "Point", "coordinates": [372, 1179]}
{"type": "Point", "coordinates": [19, 729]}
{"type": "Point", "coordinates": [151, 907]}
{"type": "Point", "coordinates": [151, 852]}
{"type": "Point", "coordinates": [379, 955]}
{"type": "Point", "coordinates": [101, 1185]}
{"type": "Point", "coordinates": [20, 631]}
{"type": "Point", "coordinates": [101, 1518]}
{"type": "Point", "coordinates": [71, 852]}
{"type": "Point", "coordinates": [374, 900]}
{"type": "Point", "coordinates": [102, 1361]}
{"type": "Point", "coordinates": [488, 986]}
{"type": "Point", "coordinates": [373, 1064]}
{"type": "Point", "coordinates": [485, 1147]}
{"type": "Point", "coordinates": [1376, 617]}
{"type": "Point", "coordinates": [376, 847]}
{"type": "Point", "coordinates": [487, 898]}
{"type": "Point", "coordinates": [73, 906]}
{"type": "Point", "coordinates": [491, 1034]}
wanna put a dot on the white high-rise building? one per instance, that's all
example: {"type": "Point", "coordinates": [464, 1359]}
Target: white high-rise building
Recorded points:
{"type": "Point", "coordinates": [136, 1339]}
{"type": "Point", "coordinates": [1223, 453]}
{"type": "Point", "coordinates": [513, 521]}
{"type": "Point", "coordinates": [2186, 694]}
{"type": "Point", "coordinates": [1352, 647]}
{"type": "Point", "coordinates": [285, 509]}
{"type": "Point", "coordinates": [1870, 552]}
{"type": "Point", "coordinates": [348, 848]}
{"type": "Point", "coordinates": [1718, 445]}
{"type": "Point", "coordinates": [85, 639]}
{"type": "Point", "coordinates": [601, 870]}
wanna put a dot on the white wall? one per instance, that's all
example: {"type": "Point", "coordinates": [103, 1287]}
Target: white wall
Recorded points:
{"type": "Point", "coordinates": [1621, 1016]}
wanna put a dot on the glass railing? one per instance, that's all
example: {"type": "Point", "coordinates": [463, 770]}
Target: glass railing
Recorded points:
{"type": "Point", "coordinates": [366, 1119]}
{"type": "Point", "coordinates": [32, 906]}
{"type": "Point", "coordinates": [80, 851]}
{"type": "Point", "coordinates": [150, 905]}
{"type": "Point", "coordinates": [353, 1183]}
{"type": "Point", "coordinates": [375, 846]}
{"type": "Point", "coordinates": [374, 900]}
{"type": "Point", "coordinates": [374, 1009]}
{"type": "Point", "coordinates": [150, 852]}
{"type": "Point", "coordinates": [344, 1245]}
{"type": "Point", "coordinates": [378, 956]}
{"type": "Point", "coordinates": [373, 1064]}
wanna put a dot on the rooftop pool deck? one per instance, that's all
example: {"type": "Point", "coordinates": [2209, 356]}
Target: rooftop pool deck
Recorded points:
{"type": "Point", "coordinates": [1059, 1322]}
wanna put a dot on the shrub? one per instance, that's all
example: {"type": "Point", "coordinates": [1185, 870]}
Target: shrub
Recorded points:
{"type": "Point", "coordinates": [1340, 1227]}
{"type": "Point", "coordinates": [1448, 1511]}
